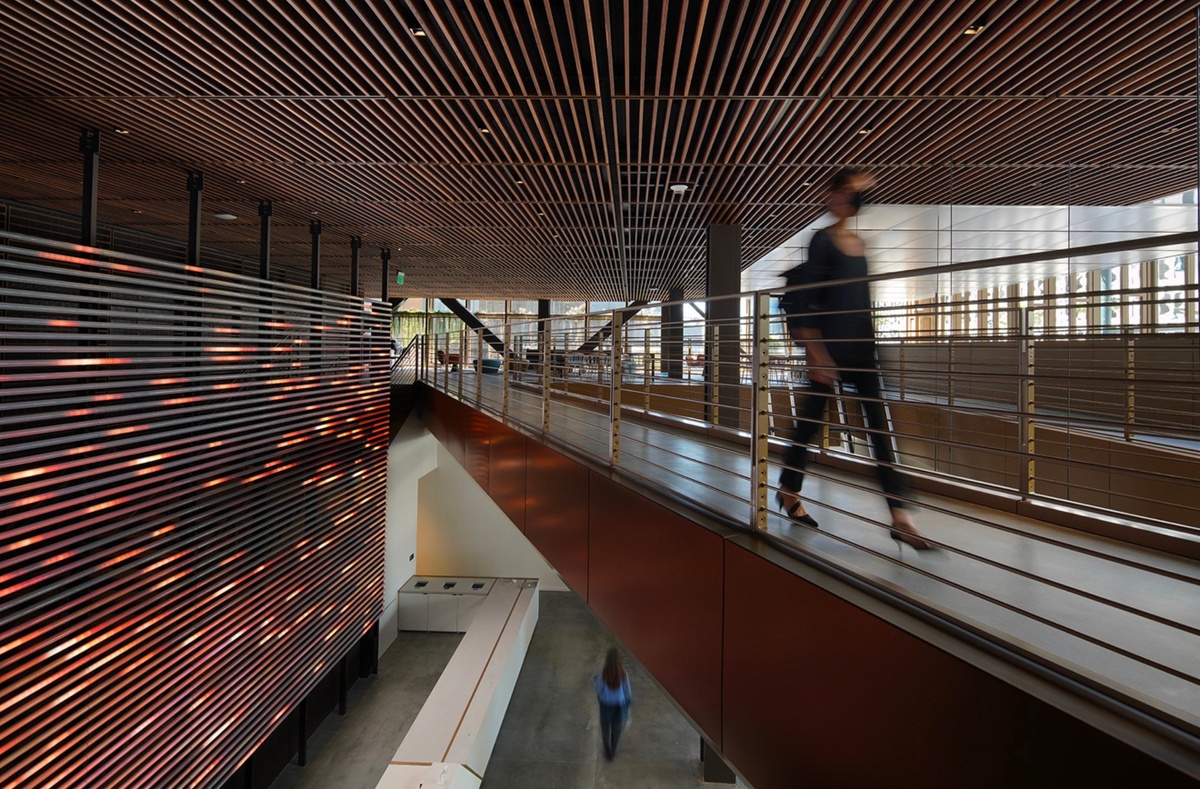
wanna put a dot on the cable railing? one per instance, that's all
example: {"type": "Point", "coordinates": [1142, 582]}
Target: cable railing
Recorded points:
{"type": "Point", "coordinates": [405, 363]}
{"type": "Point", "coordinates": [1082, 413]}
{"type": "Point", "coordinates": [1010, 410]}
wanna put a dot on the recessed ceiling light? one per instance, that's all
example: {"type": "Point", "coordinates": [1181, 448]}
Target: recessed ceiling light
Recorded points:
{"type": "Point", "coordinates": [419, 32]}
{"type": "Point", "coordinates": [225, 215]}
{"type": "Point", "coordinates": [121, 131]}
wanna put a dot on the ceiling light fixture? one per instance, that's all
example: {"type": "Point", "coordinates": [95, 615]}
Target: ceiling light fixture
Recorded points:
{"type": "Point", "coordinates": [417, 31]}
{"type": "Point", "coordinates": [484, 130]}
{"type": "Point", "coordinates": [679, 188]}
{"type": "Point", "coordinates": [1170, 130]}
{"type": "Point", "coordinates": [975, 29]}
{"type": "Point", "coordinates": [120, 131]}
{"type": "Point", "coordinates": [519, 181]}
{"type": "Point", "coordinates": [864, 131]}
{"type": "Point", "coordinates": [241, 180]}
{"type": "Point", "coordinates": [225, 215]}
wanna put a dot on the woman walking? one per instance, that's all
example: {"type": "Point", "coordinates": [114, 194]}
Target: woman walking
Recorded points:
{"type": "Point", "coordinates": [612, 691]}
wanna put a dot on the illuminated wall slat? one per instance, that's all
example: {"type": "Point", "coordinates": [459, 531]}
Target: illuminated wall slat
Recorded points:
{"type": "Point", "coordinates": [192, 482]}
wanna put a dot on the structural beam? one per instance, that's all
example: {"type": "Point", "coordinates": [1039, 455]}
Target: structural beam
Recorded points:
{"type": "Point", "coordinates": [606, 330]}
{"type": "Point", "coordinates": [468, 317]}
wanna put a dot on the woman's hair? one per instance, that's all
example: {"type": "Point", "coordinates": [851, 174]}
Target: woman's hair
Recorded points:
{"type": "Point", "coordinates": [614, 669]}
{"type": "Point", "coordinates": [843, 177]}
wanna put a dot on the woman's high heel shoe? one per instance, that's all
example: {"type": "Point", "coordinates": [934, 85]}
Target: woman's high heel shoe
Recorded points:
{"type": "Point", "coordinates": [914, 540]}
{"type": "Point", "coordinates": [790, 512]}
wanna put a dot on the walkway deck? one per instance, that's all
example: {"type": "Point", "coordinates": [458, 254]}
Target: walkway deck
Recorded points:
{"type": "Point", "coordinates": [1107, 613]}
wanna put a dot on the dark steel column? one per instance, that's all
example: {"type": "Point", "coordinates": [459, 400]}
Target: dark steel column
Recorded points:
{"type": "Point", "coordinates": [342, 684]}
{"type": "Point", "coordinates": [195, 185]}
{"type": "Point", "coordinates": [314, 227]}
{"type": "Point", "coordinates": [713, 766]}
{"type": "Point", "coordinates": [543, 327]}
{"type": "Point", "coordinates": [355, 246]}
{"type": "Point", "coordinates": [302, 741]}
{"type": "Point", "coordinates": [672, 335]}
{"type": "Point", "coordinates": [385, 259]}
{"type": "Point", "coordinates": [265, 209]}
{"type": "Point", "coordinates": [722, 352]}
{"type": "Point", "coordinates": [89, 146]}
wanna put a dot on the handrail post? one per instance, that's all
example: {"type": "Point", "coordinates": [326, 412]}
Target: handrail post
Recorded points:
{"type": "Point", "coordinates": [545, 365]}
{"type": "Point", "coordinates": [1028, 480]}
{"type": "Point", "coordinates": [614, 398]}
{"type": "Point", "coordinates": [760, 407]}
{"type": "Point", "coordinates": [1130, 358]}
{"type": "Point", "coordinates": [446, 365]}
{"type": "Point", "coordinates": [462, 358]}
{"type": "Point", "coordinates": [507, 366]}
{"type": "Point", "coordinates": [479, 369]}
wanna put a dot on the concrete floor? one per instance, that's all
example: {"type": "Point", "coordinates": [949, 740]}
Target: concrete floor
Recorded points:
{"type": "Point", "coordinates": [352, 751]}
{"type": "Point", "coordinates": [550, 737]}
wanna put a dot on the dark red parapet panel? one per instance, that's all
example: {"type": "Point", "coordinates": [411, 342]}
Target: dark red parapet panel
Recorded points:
{"type": "Point", "coordinates": [506, 477]}
{"type": "Point", "coordinates": [556, 512]}
{"type": "Point", "coordinates": [820, 692]}
{"type": "Point", "coordinates": [477, 445]}
{"type": "Point", "coordinates": [655, 579]}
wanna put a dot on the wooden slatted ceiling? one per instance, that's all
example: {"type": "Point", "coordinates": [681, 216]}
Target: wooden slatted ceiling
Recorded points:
{"type": "Point", "coordinates": [336, 111]}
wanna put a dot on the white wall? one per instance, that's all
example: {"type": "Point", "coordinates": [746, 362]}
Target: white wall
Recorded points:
{"type": "Point", "coordinates": [411, 456]}
{"type": "Point", "coordinates": [461, 531]}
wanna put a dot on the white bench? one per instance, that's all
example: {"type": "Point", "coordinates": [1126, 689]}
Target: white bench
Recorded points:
{"type": "Point", "coordinates": [450, 741]}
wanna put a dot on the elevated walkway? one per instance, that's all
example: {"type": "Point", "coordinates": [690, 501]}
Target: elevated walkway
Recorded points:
{"type": "Point", "coordinates": [1022, 653]}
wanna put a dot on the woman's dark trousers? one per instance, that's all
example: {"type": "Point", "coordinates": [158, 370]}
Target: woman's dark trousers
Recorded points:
{"type": "Point", "coordinates": [612, 721]}
{"type": "Point", "coordinates": [866, 383]}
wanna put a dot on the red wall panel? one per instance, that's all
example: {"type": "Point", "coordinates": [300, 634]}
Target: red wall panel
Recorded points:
{"type": "Point", "coordinates": [655, 579]}
{"type": "Point", "coordinates": [455, 426]}
{"type": "Point", "coordinates": [506, 478]}
{"type": "Point", "coordinates": [821, 693]}
{"type": "Point", "coordinates": [818, 690]}
{"type": "Point", "coordinates": [556, 512]}
{"type": "Point", "coordinates": [477, 446]}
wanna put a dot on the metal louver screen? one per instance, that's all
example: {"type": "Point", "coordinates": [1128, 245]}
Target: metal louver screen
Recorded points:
{"type": "Point", "coordinates": [192, 488]}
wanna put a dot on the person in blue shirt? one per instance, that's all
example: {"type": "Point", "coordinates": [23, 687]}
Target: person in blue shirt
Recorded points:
{"type": "Point", "coordinates": [612, 691]}
{"type": "Point", "coordinates": [834, 324]}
